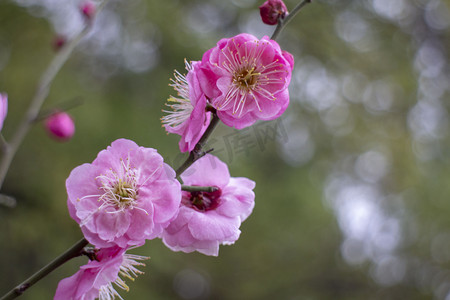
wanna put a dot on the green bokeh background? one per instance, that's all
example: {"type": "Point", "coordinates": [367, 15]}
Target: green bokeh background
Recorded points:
{"type": "Point", "coordinates": [370, 77]}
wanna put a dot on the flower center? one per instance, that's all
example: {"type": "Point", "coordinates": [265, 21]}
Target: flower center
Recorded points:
{"type": "Point", "coordinates": [254, 79]}
{"type": "Point", "coordinates": [246, 78]}
{"type": "Point", "coordinates": [125, 194]}
{"type": "Point", "coordinates": [204, 201]}
{"type": "Point", "coordinates": [120, 191]}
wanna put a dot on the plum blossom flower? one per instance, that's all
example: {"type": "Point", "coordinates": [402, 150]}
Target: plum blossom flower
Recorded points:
{"type": "Point", "coordinates": [95, 279]}
{"type": "Point", "coordinates": [207, 220]}
{"type": "Point", "coordinates": [125, 196]}
{"type": "Point", "coordinates": [188, 117]}
{"type": "Point", "coordinates": [272, 10]}
{"type": "Point", "coordinates": [3, 108]}
{"type": "Point", "coordinates": [60, 126]}
{"type": "Point", "coordinates": [247, 79]}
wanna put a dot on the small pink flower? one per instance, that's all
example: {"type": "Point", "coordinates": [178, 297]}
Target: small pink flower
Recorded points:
{"type": "Point", "coordinates": [88, 10]}
{"type": "Point", "coordinates": [94, 280]}
{"type": "Point", "coordinates": [125, 196]}
{"type": "Point", "coordinates": [3, 108]}
{"type": "Point", "coordinates": [207, 220]}
{"type": "Point", "coordinates": [189, 117]}
{"type": "Point", "coordinates": [247, 79]}
{"type": "Point", "coordinates": [60, 126]}
{"type": "Point", "coordinates": [272, 10]}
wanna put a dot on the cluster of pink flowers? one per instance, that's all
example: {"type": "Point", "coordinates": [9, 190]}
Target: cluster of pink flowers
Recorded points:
{"type": "Point", "coordinates": [128, 195]}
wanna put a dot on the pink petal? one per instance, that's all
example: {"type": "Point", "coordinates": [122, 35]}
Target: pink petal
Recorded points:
{"type": "Point", "coordinates": [207, 171]}
{"type": "Point", "coordinates": [81, 182]}
{"type": "Point", "coordinates": [211, 226]}
{"type": "Point", "coordinates": [119, 149]}
{"type": "Point", "coordinates": [238, 198]}
{"type": "Point", "coordinates": [184, 241]}
{"type": "Point", "coordinates": [75, 286]}
{"type": "Point", "coordinates": [165, 200]}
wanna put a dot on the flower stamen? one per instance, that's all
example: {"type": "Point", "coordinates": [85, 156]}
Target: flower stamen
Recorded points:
{"type": "Point", "coordinates": [127, 269]}
{"type": "Point", "coordinates": [120, 191]}
{"type": "Point", "coordinates": [181, 106]}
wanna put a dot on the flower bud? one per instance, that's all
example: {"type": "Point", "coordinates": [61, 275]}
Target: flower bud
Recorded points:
{"type": "Point", "coordinates": [60, 126]}
{"type": "Point", "coordinates": [58, 42]}
{"type": "Point", "coordinates": [3, 108]}
{"type": "Point", "coordinates": [272, 10]}
{"type": "Point", "coordinates": [88, 10]}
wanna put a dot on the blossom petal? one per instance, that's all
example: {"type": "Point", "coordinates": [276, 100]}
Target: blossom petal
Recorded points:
{"type": "Point", "coordinates": [211, 226]}
{"type": "Point", "coordinates": [207, 171]}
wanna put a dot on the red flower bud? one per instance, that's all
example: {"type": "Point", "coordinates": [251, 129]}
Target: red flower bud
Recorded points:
{"type": "Point", "coordinates": [58, 42]}
{"type": "Point", "coordinates": [272, 10]}
{"type": "Point", "coordinates": [60, 126]}
{"type": "Point", "coordinates": [88, 9]}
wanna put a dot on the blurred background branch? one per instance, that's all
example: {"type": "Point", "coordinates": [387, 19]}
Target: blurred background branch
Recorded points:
{"type": "Point", "coordinates": [39, 97]}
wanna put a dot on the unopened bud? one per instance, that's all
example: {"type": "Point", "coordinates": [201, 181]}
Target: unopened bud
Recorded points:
{"type": "Point", "coordinates": [3, 108]}
{"type": "Point", "coordinates": [88, 9]}
{"type": "Point", "coordinates": [272, 10]}
{"type": "Point", "coordinates": [60, 126]}
{"type": "Point", "coordinates": [58, 42]}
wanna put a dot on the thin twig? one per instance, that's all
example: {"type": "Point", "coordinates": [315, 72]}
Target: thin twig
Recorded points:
{"type": "Point", "coordinates": [39, 97]}
{"type": "Point", "coordinates": [283, 22]}
{"type": "Point", "coordinates": [198, 150]}
{"type": "Point", "coordinates": [74, 251]}
{"type": "Point", "coordinates": [65, 106]}
{"type": "Point", "coordinates": [194, 188]}
{"type": "Point", "coordinates": [8, 201]}
{"type": "Point", "coordinates": [3, 143]}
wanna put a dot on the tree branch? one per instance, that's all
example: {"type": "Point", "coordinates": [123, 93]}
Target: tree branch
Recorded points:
{"type": "Point", "coordinates": [198, 150]}
{"type": "Point", "coordinates": [194, 188]}
{"type": "Point", "coordinates": [74, 251]}
{"type": "Point", "coordinates": [283, 22]}
{"type": "Point", "coordinates": [39, 97]}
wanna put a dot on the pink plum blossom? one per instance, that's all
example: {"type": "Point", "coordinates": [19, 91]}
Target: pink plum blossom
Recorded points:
{"type": "Point", "coordinates": [3, 108]}
{"type": "Point", "coordinates": [247, 79]}
{"type": "Point", "coordinates": [94, 280]}
{"type": "Point", "coordinates": [188, 117]}
{"type": "Point", "coordinates": [272, 10]}
{"type": "Point", "coordinates": [208, 219]}
{"type": "Point", "coordinates": [60, 126]}
{"type": "Point", "coordinates": [125, 196]}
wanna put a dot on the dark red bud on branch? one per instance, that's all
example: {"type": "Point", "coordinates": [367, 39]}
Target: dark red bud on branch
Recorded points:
{"type": "Point", "coordinates": [272, 10]}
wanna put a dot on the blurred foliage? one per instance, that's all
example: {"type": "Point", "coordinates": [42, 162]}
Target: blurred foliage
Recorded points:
{"type": "Point", "coordinates": [352, 182]}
